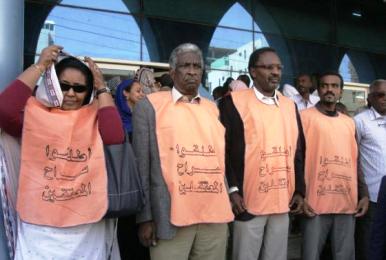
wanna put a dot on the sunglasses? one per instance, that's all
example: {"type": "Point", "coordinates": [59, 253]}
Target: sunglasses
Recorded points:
{"type": "Point", "coordinates": [378, 94]}
{"type": "Point", "coordinates": [77, 88]}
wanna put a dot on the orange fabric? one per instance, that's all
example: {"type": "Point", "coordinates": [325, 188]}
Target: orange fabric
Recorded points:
{"type": "Point", "coordinates": [331, 162]}
{"type": "Point", "coordinates": [63, 180]}
{"type": "Point", "coordinates": [271, 134]}
{"type": "Point", "coordinates": [191, 148]}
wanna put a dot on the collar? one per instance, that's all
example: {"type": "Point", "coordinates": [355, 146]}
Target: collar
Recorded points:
{"type": "Point", "coordinates": [375, 115]}
{"type": "Point", "coordinates": [312, 99]}
{"type": "Point", "coordinates": [267, 100]}
{"type": "Point", "coordinates": [176, 95]}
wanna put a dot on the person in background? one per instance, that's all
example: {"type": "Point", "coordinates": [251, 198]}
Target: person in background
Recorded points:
{"type": "Point", "coordinates": [128, 93]}
{"type": "Point", "coordinates": [166, 82]}
{"type": "Point", "coordinates": [333, 181]}
{"type": "Point", "coordinates": [371, 138]}
{"type": "Point", "coordinates": [237, 85]}
{"type": "Point", "coordinates": [245, 78]}
{"type": "Point", "coordinates": [145, 77]}
{"type": "Point", "coordinates": [225, 86]}
{"type": "Point", "coordinates": [66, 222]}
{"type": "Point", "coordinates": [217, 93]}
{"type": "Point", "coordinates": [305, 98]}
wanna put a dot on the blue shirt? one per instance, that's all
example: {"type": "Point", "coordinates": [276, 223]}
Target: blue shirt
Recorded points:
{"type": "Point", "coordinates": [371, 138]}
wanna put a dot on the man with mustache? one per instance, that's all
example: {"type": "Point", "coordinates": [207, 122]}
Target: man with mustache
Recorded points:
{"type": "Point", "coordinates": [179, 144]}
{"type": "Point", "coordinates": [371, 138]}
{"type": "Point", "coordinates": [304, 99]}
{"type": "Point", "coordinates": [333, 182]}
{"type": "Point", "coordinates": [264, 160]}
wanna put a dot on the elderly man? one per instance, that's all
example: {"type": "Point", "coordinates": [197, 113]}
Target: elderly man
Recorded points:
{"type": "Point", "coordinates": [332, 179]}
{"type": "Point", "coordinates": [179, 143]}
{"type": "Point", "coordinates": [264, 152]}
{"type": "Point", "coordinates": [371, 138]}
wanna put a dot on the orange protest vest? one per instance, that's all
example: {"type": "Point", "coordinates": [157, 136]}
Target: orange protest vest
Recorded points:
{"type": "Point", "coordinates": [191, 148]}
{"type": "Point", "coordinates": [271, 134]}
{"type": "Point", "coordinates": [63, 180]}
{"type": "Point", "coordinates": [331, 162]}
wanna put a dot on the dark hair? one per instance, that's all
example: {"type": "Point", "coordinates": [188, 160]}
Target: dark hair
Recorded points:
{"type": "Point", "coordinates": [255, 56]}
{"type": "Point", "coordinates": [166, 80]}
{"type": "Point", "coordinates": [331, 73]}
{"type": "Point", "coordinates": [245, 78]}
{"type": "Point", "coordinates": [376, 83]}
{"type": "Point", "coordinates": [218, 92]}
{"type": "Point", "coordinates": [304, 74]}
{"type": "Point", "coordinates": [226, 83]}
{"type": "Point", "coordinates": [74, 63]}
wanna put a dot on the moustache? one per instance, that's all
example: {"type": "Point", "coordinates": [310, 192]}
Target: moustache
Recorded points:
{"type": "Point", "coordinates": [328, 93]}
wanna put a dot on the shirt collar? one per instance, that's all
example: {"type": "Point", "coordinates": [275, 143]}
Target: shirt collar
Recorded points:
{"type": "Point", "coordinates": [311, 100]}
{"type": "Point", "coordinates": [176, 95]}
{"type": "Point", "coordinates": [267, 100]}
{"type": "Point", "coordinates": [375, 115]}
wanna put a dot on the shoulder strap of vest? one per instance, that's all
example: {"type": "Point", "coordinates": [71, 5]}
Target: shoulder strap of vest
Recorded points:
{"type": "Point", "coordinates": [159, 99]}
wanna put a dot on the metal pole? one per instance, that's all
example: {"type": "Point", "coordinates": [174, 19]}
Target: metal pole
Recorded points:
{"type": "Point", "coordinates": [11, 40]}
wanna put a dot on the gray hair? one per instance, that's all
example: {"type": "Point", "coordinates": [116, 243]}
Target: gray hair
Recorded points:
{"type": "Point", "coordinates": [182, 48]}
{"type": "Point", "coordinates": [376, 83]}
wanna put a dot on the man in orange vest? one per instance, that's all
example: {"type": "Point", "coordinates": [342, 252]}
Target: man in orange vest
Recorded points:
{"type": "Point", "coordinates": [179, 143]}
{"type": "Point", "coordinates": [332, 177]}
{"type": "Point", "coordinates": [264, 152]}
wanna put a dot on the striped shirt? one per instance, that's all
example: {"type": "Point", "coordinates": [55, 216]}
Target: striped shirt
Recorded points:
{"type": "Point", "coordinates": [371, 138]}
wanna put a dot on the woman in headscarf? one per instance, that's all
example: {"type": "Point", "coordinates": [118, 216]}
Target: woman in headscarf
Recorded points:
{"type": "Point", "coordinates": [145, 77]}
{"type": "Point", "coordinates": [128, 93]}
{"type": "Point", "coordinates": [62, 193]}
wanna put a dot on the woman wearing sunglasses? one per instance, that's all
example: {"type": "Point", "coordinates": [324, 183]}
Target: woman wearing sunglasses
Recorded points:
{"type": "Point", "coordinates": [62, 193]}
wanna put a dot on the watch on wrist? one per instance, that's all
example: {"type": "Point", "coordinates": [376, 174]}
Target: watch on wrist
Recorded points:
{"type": "Point", "coordinates": [102, 90]}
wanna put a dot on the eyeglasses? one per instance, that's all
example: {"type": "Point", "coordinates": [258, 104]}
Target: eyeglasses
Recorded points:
{"type": "Point", "coordinates": [76, 88]}
{"type": "Point", "coordinates": [270, 66]}
{"type": "Point", "coordinates": [378, 94]}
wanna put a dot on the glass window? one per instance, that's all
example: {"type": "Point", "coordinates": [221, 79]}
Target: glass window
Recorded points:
{"type": "Point", "coordinates": [347, 70]}
{"type": "Point", "coordinates": [237, 17]}
{"type": "Point", "coordinates": [98, 34]}
{"type": "Point", "coordinates": [225, 56]}
{"type": "Point", "coordinates": [354, 98]}
{"type": "Point", "coordinates": [230, 47]}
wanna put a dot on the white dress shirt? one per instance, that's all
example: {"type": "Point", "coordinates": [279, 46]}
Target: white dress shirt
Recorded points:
{"type": "Point", "coordinates": [274, 100]}
{"type": "Point", "coordinates": [177, 96]}
{"type": "Point", "coordinates": [371, 138]}
{"type": "Point", "coordinates": [302, 103]}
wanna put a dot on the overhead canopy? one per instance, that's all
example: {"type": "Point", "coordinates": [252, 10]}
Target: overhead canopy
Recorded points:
{"type": "Point", "coordinates": [308, 35]}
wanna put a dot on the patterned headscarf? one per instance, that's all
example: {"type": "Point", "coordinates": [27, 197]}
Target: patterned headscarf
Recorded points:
{"type": "Point", "coordinates": [145, 77]}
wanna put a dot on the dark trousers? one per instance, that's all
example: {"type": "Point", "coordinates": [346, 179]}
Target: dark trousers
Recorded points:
{"type": "Point", "coordinates": [129, 245]}
{"type": "Point", "coordinates": [362, 233]}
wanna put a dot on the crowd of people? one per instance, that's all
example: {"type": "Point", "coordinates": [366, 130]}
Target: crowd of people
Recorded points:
{"type": "Point", "coordinates": [220, 179]}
